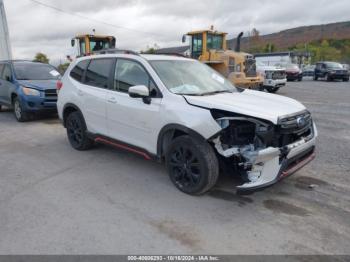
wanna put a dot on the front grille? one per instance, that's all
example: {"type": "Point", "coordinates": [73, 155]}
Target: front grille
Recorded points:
{"type": "Point", "coordinates": [294, 127]}
{"type": "Point", "coordinates": [51, 95]}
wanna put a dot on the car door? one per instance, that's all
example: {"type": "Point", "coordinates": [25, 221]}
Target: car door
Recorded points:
{"type": "Point", "coordinates": [92, 93]}
{"type": "Point", "coordinates": [133, 120]}
{"type": "Point", "coordinates": [6, 85]}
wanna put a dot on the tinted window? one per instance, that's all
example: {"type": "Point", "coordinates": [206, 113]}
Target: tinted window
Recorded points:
{"type": "Point", "coordinates": [129, 73]}
{"type": "Point", "coordinates": [78, 71]}
{"type": "Point", "coordinates": [214, 41]}
{"type": "Point", "coordinates": [98, 72]}
{"type": "Point", "coordinates": [7, 74]}
{"type": "Point", "coordinates": [35, 71]}
{"type": "Point", "coordinates": [197, 45]}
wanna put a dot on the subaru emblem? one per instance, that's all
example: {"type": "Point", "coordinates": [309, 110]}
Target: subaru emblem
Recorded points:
{"type": "Point", "coordinates": [301, 121]}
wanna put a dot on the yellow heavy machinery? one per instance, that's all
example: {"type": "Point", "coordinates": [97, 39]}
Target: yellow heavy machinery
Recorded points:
{"type": "Point", "coordinates": [89, 44]}
{"type": "Point", "coordinates": [210, 47]}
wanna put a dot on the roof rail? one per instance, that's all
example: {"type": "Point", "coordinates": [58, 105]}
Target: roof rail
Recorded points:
{"type": "Point", "coordinates": [172, 54]}
{"type": "Point", "coordinates": [115, 51]}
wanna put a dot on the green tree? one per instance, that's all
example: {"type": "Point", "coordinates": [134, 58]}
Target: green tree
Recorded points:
{"type": "Point", "coordinates": [150, 49]}
{"type": "Point", "coordinates": [63, 67]}
{"type": "Point", "coordinates": [42, 58]}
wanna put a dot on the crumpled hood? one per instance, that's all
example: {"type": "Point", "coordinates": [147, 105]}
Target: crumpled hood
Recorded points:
{"type": "Point", "coordinates": [252, 103]}
{"type": "Point", "coordinates": [41, 85]}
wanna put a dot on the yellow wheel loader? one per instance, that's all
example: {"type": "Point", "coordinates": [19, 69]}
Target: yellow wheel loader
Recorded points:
{"type": "Point", "coordinates": [209, 46]}
{"type": "Point", "coordinates": [90, 44]}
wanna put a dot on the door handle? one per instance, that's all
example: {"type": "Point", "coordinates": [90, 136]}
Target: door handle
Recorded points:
{"type": "Point", "coordinates": [112, 100]}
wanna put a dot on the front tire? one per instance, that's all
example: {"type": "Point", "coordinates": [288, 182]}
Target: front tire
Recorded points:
{"type": "Point", "coordinates": [272, 89]}
{"type": "Point", "coordinates": [20, 114]}
{"type": "Point", "coordinates": [192, 165]}
{"type": "Point", "coordinates": [344, 80]}
{"type": "Point", "coordinates": [77, 132]}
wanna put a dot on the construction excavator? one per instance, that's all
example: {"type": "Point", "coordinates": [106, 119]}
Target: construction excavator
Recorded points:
{"type": "Point", "coordinates": [210, 47]}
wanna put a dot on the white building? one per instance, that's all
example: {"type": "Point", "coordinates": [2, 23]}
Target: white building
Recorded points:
{"type": "Point", "coordinates": [5, 46]}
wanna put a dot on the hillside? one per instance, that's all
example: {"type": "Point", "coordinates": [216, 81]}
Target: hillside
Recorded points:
{"type": "Point", "coordinates": [300, 35]}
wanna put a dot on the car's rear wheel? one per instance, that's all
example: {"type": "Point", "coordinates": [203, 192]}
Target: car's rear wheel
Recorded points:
{"type": "Point", "coordinates": [0, 107]}
{"type": "Point", "coordinates": [328, 78]}
{"type": "Point", "coordinates": [192, 165]}
{"type": "Point", "coordinates": [76, 132]}
{"type": "Point", "coordinates": [20, 114]}
{"type": "Point", "coordinates": [315, 78]}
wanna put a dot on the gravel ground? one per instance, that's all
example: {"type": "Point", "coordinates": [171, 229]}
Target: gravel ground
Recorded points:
{"type": "Point", "coordinates": [54, 200]}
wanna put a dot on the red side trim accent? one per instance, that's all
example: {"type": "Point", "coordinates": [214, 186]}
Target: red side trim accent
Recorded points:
{"type": "Point", "coordinates": [105, 141]}
{"type": "Point", "coordinates": [298, 166]}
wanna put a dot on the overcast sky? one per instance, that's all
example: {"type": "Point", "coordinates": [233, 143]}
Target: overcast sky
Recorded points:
{"type": "Point", "coordinates": [34, 28]}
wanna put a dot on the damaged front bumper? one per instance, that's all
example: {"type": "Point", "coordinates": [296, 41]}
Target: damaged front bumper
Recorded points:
{"type": "Point", "coordinates": [270, 165]}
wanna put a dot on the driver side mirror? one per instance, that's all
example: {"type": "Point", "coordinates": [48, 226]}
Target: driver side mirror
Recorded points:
{"type": "Point", "coordinates": [72, 42]}
{"type": "Point", "coordinates": [8, 78]}
{"type": "Point", "coordinates": [140, 91]}
{"type": "Point", "coordinates": [184, 39]}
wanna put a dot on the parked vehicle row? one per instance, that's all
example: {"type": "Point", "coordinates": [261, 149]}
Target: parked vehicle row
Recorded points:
{"type": "Point", "coordinates": [182, 112]}
{"type": "Point", "coordinates": [28, 88]}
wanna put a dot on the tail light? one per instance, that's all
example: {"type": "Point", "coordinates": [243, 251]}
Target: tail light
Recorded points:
{"type": "Point", "coordinates": [59, 86]}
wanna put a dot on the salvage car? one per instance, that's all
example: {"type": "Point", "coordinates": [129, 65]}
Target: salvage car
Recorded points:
{"type": "Point", "coordinates": [331, 71]}
{"type": "Point", "coordinates": [28, 87]}
{"type": "Point", "coordinates": [179, 111]}
{"type": "Point", "coordinates": [274, 77]}
{"type": "Point", "coordinates": [294, 72]}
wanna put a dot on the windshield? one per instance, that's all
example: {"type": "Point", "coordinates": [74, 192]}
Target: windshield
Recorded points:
{"type": "Point", "coordinates": [334, 65]}
{"type": "Point", "coordinates": [35, 71]}
{"type": "Point", "coordinates": [191, 78]}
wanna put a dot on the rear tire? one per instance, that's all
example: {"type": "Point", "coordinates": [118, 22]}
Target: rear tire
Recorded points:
{"type": "Point", "coordinates": [77, 132]}
{"type": "Point", "coordinates": [328, 78]}
{"type": "Point", "coordinates": [0, 107]}
{"type": "Point", "coordinates": [20, 114]}
{"type": "Point", "coordinates": [192, 165]}
{"type": "Point", "coordinates": [315, 78]}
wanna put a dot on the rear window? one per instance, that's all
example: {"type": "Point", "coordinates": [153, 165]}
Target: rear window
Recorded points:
{"type": "Point", "coordinates": [35, 71]}
{"type": "Point", "coordinates": [98, 72]}
{"type": "Point", "coordinates": [78, 71]}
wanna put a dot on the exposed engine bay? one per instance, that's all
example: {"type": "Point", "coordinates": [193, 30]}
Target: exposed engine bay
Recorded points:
{"type": "Point", "coordinates": [257, 149]}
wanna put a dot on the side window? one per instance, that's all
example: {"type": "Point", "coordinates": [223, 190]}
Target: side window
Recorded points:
{"type": "Point", "coordinates": [7, 74]}
{"type": "Point", "coordinates": [78, 71]}
{"type": "Point", "coordinates": [129, 73]}
{"type": "Point", "coordinates": [98, 71]}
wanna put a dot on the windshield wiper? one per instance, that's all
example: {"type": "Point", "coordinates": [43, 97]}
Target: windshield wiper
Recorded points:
{"type": "Point", "coordinates": [216, 92]}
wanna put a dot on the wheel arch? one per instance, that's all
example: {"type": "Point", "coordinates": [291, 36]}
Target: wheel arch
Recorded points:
{"type": "Point", "coordinates": [68, 109]}
{"type": "Point", "coordinates": [170, 132]}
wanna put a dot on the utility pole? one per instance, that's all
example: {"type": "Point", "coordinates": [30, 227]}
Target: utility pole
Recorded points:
{"type": "Point", "coordinates": [5, 46]}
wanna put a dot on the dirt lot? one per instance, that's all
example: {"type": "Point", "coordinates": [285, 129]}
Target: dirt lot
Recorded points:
{"type": "Point", "coordinates": [55, 200]}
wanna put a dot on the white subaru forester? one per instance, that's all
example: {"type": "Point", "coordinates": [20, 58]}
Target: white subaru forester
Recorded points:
{"type": "Point", "coordinates": [182, 112]}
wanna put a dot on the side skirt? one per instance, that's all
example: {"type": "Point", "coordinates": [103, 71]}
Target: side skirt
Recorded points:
{"type": "Point", "coordinates": [121, 145]}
